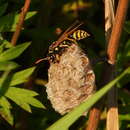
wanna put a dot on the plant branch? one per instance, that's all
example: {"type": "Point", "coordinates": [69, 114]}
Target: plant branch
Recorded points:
{"type": "Point", "coordinates": [116, 31]}
{"type": "Point", "coordinates": [95, 112]}
{"type": "Point", "coordinates": [94, 118]}
{"type": "Point", "coordinates": [19, 26]}
{"type": "Point", "coordinates": [112, 114]}
{"type": "Point", "coordinates": [107, 75]}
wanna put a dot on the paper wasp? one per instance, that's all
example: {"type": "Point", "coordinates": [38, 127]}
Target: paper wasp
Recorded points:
{"type": "Point", "coordinates": [69, 37]}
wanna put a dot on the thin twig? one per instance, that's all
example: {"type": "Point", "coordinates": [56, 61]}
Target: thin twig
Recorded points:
{"type": "Point", "coordinates": [14, 39]}
{"type": "Point", "coordinates": [23, 13]}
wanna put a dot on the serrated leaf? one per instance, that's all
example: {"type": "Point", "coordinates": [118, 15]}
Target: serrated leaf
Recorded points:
{"type": "Point", "coordinates": [19, 99]}
{"type": "Point", "coordinates": [5, 110]}
{"type": "Point", "coordinates": [5, 82]}
{"type": "Point", "coordinates": [9, 22]}
{"type": "Point", "coordinates": [7, 44]}
{"type": "Point", "coordinates": [23, 98]}
{"type": "Point", "coordinates": [30, 93]}
{"type": "Point", "coordinates": [1, 48]}
{"type": "Point", "coordinates": [13, 52]}
{"type": "Point", "coordinates": [8, 64]}
{"type": "Point", "coordinates": [72, 116]}
{"type": "Point", "coordinates": [4, 103]}
{"type": "Point", "coordinates": [36, 103]}
{"type": "Point", "coordinates": [3, 8]}
{"type": "Point", "coordinates": [21, 76]}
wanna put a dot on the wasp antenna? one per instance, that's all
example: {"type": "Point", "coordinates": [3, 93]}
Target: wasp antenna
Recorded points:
{"type": "Point", "coordinates": [40, 60]}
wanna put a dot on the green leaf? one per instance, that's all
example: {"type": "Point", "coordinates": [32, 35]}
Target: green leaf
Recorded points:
{"type": "Point", "coordinates": [3, 8]}
{"type": "Point", "coordinates": [5, 82]}
{"type": "Point", "coordinates": [8, 64]}
{"type": "Point", "coordinates": [7, 44]}
{"type": "Point", "coordinates": [13, 52]}
{"type": "Point", "coordinates": [124, 117]}
{"type": "Point", "coordinates": [9, 22]}
{"type": "Point", "coordinates": [5, 110]}
{"type": "Point", "coordinates": [36, 103]}
{"type": "Point", "coordinates": [30, 93]}
{"type": "Point", "coordinates": [28, 15]}
{"type": "Point", "coordinates": [72, 116]}
{"type": "Point", "coordinates": [21, 76]}
{"type": "Point", "coordinates": [23, 98]}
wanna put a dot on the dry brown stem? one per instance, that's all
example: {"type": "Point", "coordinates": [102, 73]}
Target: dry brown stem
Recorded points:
{"type": "Point", "coordinates": [109, 69]}
{"type": "Point", "coordinates": [23, 13]}
{"type": "Point", "coordinates": [14, 39]}
{"type": "Point", "coordinates": [93, 118]}
{"type": "Point", "coordinates": [112, 114]}
{"type": "Point", "coordinates": [116, 31]}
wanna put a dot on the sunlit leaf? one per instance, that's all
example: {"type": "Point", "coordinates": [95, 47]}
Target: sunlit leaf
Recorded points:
{"type": "Point", "coordinates": [7, 44]}
{"type": "Point", "coordinates": [34, 102]}
{"type": "Point", "coordinates": [9, 22]}
{"type": "Point", "coordinates": [13, 52]}
{"type": "Point", "coordinates": [8, 64]}
{"type": "Point", "coordinates": [76, 5]}
{"type": "Point", "coordinates": [5, 82]}
{"type": "Point", "coordinates": [24, 98]}
{"type": "Point", "coordinates": [21, 76]}
{"type": "Point", "coordinates": [124, 117]}
{"type": "Point", "coordinates": [5, 110]}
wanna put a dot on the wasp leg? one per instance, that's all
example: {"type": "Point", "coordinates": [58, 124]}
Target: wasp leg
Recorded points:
{"type": "Point", "coordinates": [57, 57]}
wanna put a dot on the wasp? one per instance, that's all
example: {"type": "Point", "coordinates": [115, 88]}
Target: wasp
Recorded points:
{"type": "Point", "coordinates": [71, 79]}
{"type": "Point", "coordinates": [69, 37]}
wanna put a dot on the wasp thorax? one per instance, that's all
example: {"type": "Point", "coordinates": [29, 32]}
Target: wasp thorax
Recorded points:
{"type": "Point", "coordinates": [71, 80]}
{"type": "Point", "coordinates": [55, 52]}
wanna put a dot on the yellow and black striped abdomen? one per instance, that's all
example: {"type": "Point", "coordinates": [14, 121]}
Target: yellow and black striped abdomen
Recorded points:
{"type": "Point", "coordinates": [79, 34]}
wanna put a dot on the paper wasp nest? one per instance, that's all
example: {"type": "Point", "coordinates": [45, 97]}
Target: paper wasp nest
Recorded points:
{"type": "Point", "coordinates": [71, 80]}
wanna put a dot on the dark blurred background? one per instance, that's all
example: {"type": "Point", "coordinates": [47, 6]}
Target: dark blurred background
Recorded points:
{"type": "Point", "coordinates": [41, 30]}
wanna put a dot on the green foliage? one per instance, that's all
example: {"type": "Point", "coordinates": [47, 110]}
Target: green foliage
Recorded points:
{"type": "Point", "coordinates": [8, 64]}
{"type": "Point", "coordinates": [9, 22]}
{"type": "Point", "coordinates": [3, 8]}
{"type": "Point", "coordinates": [13, 52]}
{"type": "Point", "coordinates": [40, 28]}
{"type": "Point", "coordinates": [5, 107]}
{"type": "Point", "coordinates": [20, 77]}
{"type": "Point", "coordinates": [22, 97]}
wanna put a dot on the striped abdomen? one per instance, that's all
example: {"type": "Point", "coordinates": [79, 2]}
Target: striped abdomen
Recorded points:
{"type": "Point", "coordinates": [79, 34]}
